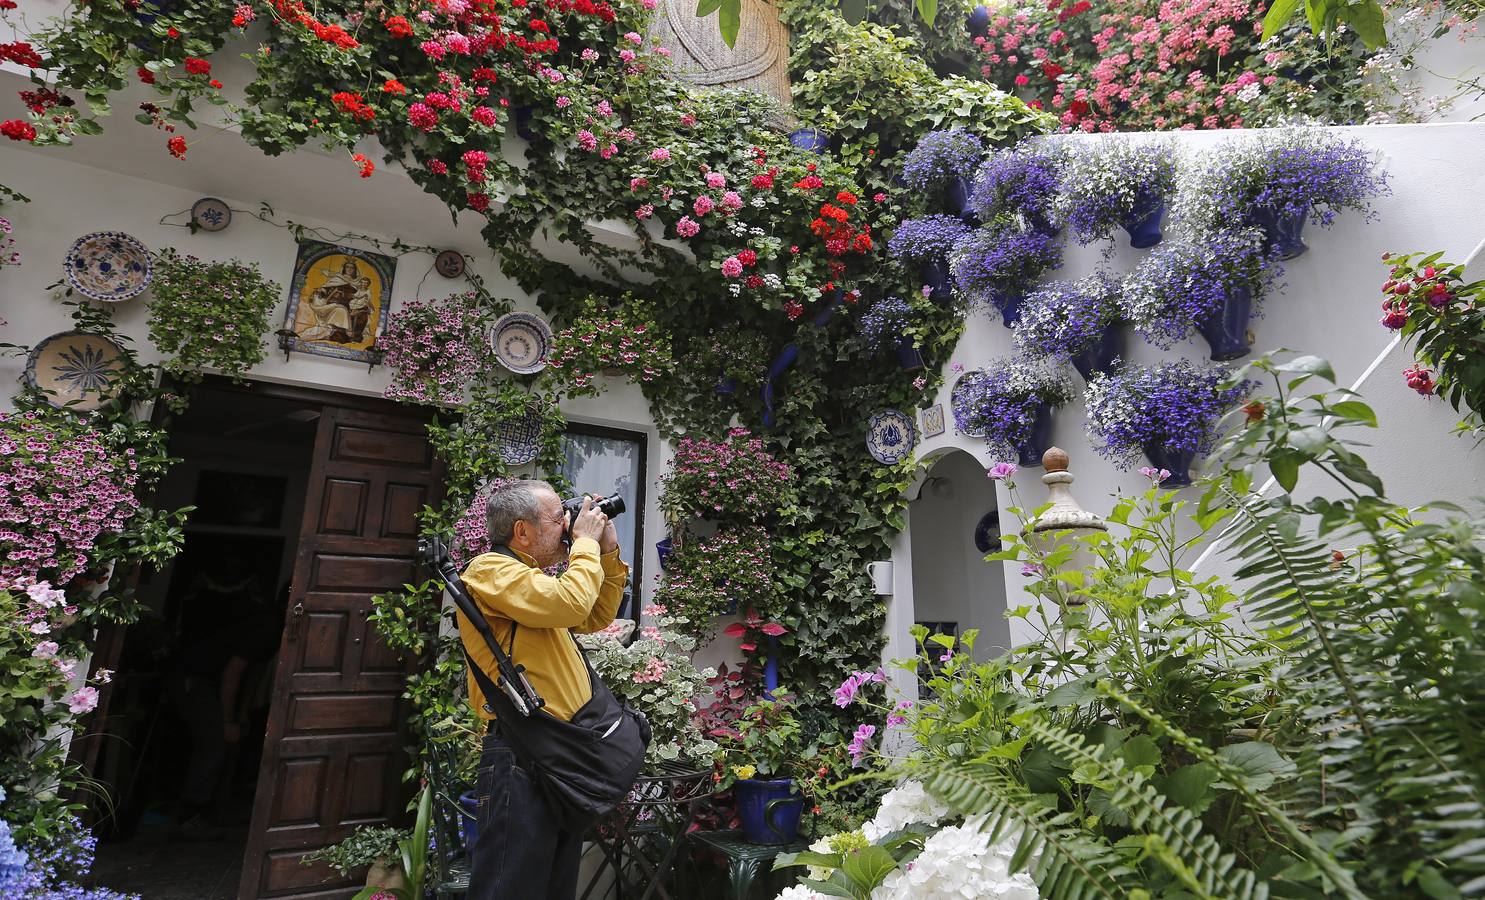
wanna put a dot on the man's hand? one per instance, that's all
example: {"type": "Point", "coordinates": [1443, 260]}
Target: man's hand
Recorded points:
{"type": "Point", "coordinates": [610, 540]}
{"type": "Point", "coordinates": [590, 522]}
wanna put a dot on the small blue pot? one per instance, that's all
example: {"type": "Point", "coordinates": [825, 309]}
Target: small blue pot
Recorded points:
{"type": "Point", "coordinates": [769, 810]}
{"type": "Point", "coordinates": [523, 123]}
{"type": "Point", "coordinates": [1039, 222]}
{"type": "Point", "coordinates": [1176, 462]}
{"type": "Point", "coordinates": [1010, 309]}
{"type": "Point", "coordinates": [1226, 330]}
{"type": "Point", "coordinates": [908, 356]}
{"type": "Point", "coordinates": [936, 275]}
{"type": "Point", "coordinates": [1038, 441]}
{"type": "Point", "coordinates": [663, 549]}
{"type": "Point", "coordinates": [1144, 224]}
{"type": "Point", "coordinates": [978, 20]}
{"type": "Point", "coordinates": [812, 139]}
{"type": "Point", "coordinates": [1282, 231]}
{"type": "Point", "coordinates": [1103, 355]}
{"type": "Point", "coordinates": [956, 198]}
{"type": "Point", "coordinates": [469, 820]}
{"type": "Point", "coordinates": [726, 385]}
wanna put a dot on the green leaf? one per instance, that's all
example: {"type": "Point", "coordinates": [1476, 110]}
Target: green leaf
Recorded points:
{"type": "Point", "coordinates": [807, 858]}
{"type": "Point", "coordinates": [1074, 693]}
{"type": "Point", "coordinates": [1309, 440]}
{"type": "Point", "coordinates": [1366, 18]}
{"type": "Point", "coordinates": [928, 9]}
{"type": "Point", "coordinates": [1309, 365]}
{"type": "Point", "coordinates": [1140, 750]}
{"type": "Point", "coordinates": [1285, 469]}
{"type": "Point", "coordinates": [1259, 762]}
{"type": "Point", "coordinates": [825, 887]}
{"type": "Point", "coordinates": [705, 8]}
{"type": "Point", "coordinates": [729, 19]}
{"type": "Point", "coordinates": [1355, 411]}
{"type": "Point", "coordinates": [867, 867]}
{"type": "Point", "coordinates": [1315, 11]}
{"type": "Point", "coordinates": [1278, 15]}
{"type": "Point", "coordinates": [1190, 786]}
{"type": "Point", "coordinates": [853, 11]}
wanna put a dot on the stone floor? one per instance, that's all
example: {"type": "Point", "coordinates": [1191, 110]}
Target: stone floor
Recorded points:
{"type": "Point", "coordinates": [157, 867]}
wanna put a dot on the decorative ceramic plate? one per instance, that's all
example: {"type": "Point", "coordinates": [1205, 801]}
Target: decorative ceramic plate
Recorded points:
{"type": "Point", "coordinates": [75, 368]}
{"type": "Point", "coordinates": [449, 264]}
{"type": "Point", "coordinates": [211, 214]}
{"type": "Point", "coordinates": [954, 398]}
{"type": "Point", "coordinates": [891, 437]}
{"type": "Point", "coordinates": [519, 439]}
{"type": "Point", "coordinates": [521, 341]}
{"type": "Point", "coordinates": [987, 532]}
{"type": "Point", "coordinates": [108, 266]}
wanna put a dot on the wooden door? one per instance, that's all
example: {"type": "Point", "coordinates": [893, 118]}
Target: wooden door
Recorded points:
{"type": "Point", "coordinates": [333, 758]}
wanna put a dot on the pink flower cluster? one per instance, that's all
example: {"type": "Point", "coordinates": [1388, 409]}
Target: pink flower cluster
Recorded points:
{"type": "Point", "coordinates": [601, 339]}
{"type": "Point", "coordinates": [435, 348]}
{"type": "Point", "coordinates": [472, 530]}
{"type": "Point", "coordinates": [654, 671]}
{"type": "Point", "coordinates": [845, 695]}
{"type": "Point", "coordinates": [62, 486]}
{"type": "Point", "coordinates": [735, 477]}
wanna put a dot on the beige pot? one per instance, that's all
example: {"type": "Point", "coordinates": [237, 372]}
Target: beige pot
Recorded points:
{"type": "Point", "coordinates": [384, 874]}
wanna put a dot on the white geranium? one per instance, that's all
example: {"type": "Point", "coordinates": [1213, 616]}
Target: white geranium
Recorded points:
{"type": "Point", "coordinates": [907, 804]}
{"type": "Point", "coordinates": [960, 863]}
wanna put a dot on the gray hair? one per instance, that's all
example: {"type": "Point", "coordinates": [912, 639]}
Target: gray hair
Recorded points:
{"type": "Point", "coordinates": [511, 502]}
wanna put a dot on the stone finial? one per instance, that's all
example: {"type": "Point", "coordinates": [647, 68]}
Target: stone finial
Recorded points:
{"type": "Point", "coordinates": [1064, 513]}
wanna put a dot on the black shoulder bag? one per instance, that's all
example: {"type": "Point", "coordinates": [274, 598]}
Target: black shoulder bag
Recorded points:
{"type": "Point", "coordinates": [584, 767]}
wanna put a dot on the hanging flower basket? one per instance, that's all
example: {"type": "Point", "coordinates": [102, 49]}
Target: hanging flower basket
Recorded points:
{"type": "Point", "coordinates": [1080, 321]}
{"type": "Point", "coordinates": [1167, 412]}
{"type": "Point", "coordinates": [812, 140]}
{"type": "Point", "coordinates": [726, 386]}
{"type": "Point", "coordinates": [908, 356]}
{"type": "Point", "coordinates": [1282, 229]}
{"type": "Point", "coordinates": [957, 196]}
{"type": "Point", "coordinates": [1144, 223]}
{"type": "Point", "coordinates": [936, 276]}
{"type": "Point", "coordinates": [770, 810]}
{"type": "Point", "coordinates": [1038, 439]}
{"type": "Point", "coordinates": [1101, 357]}
{"type": "Point", "coordinates": [1175, 460]}
{"type": "Point", "coordinates": [1226, 330]}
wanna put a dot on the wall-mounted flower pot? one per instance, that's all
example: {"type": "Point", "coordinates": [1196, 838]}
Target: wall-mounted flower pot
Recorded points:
{"type": "Point", "coordinates": [523, 123]}
{"type": "Point", "coordinates": [469, 819]}
{"type": "Point", "coordinates": [1104, 354]}
{"type": "Point", "coordinates": [1010, 308]}
{"type": "Point", "coordinates": [936, 275]}
{"type": "Point", "coordinates": [1038, 441]}
{"type": "Point", "coordinates": [1226, 330]}
{"type": "Point", "coordinates": [1040, 223]}
{"type": "Point", "coordinates": [1144, 223]}
{"type": "Point", "coordinates": [769, 810]}
{"type": "Point", "coordinates": [663, 549]}
{"type": "Point", "coordinates": [956, 199]}
{"type": "Point", "coordinates": [812, 139]}
{"type": "Point", "coordinates": [1282, 230]}
{"type": "Point", "coordinates": [1172, 459]}
{"type": "Point", "coordinates": [726, 385]}
{"type": "Point", "coordinates": [908, 356]}
{"type": "Point", "coordinates": [978, 20]}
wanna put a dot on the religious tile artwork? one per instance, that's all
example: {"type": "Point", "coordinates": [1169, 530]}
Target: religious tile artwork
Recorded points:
{"type": "Point", "coordinates": [339, 300]}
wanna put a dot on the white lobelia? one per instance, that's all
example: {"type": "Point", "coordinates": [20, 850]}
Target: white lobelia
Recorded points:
{"type": "Point", "coordinates": [960, 863]}
{"type": "Point", "coordinates": [907, 804]}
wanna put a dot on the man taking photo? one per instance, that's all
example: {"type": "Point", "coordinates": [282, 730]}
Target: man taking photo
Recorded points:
{"type": "Point", "coordinates": [522, 852]}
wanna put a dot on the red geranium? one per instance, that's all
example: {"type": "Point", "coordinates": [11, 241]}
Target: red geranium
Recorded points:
{"type": "Point", "coordinates": [18, 130]}
{"type": "Point", "coordinates": [177, 146]}
{"type": "Point", "coordinates": [353, 105]}
{"type": "Point", "coordinates": [399, 27]}
{"type": "Point", "coordinates": [20, 53]}
{"type": "Point", "coordinates": [195, 66]}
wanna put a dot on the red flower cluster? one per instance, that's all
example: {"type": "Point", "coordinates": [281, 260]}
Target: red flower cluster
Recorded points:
{"type": "Point", "coordinates": [18, 130]}
{"type": "Point", "coordinates": [367, 166]}
{"type": "Point", "coordinates": [399, 27]}
{"type": "Point", "coordinates": [177, 147]}
{"type": "Point", "coordinates": [353, 105]}
{"type": "Point", "coordinates": [834, 227]}
{"type": "Point", "coordinates": [7, 4]}
{"type": "Point", "coordinates": [20, 53]}
{"type": "Point", "coordinates": [294, 11]}
{"type": "Point", "coordinates": [393, 86]}
{"type": "Point", "coordinates": [145, 75]}
{"type": "Point", "coordinates": [195, 66]}
{"type": "Point", "coordinates": [43, 100]}
{"type": "Point", "coordinates": [1419, 379]}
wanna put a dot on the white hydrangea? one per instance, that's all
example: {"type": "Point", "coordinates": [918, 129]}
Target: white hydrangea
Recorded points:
{"type": "Point", "coordinates": [800, 892]}
{"type": "Point", "coordinates": [907, 804]}
{"type": "Point", "coordinates": [960, 863]}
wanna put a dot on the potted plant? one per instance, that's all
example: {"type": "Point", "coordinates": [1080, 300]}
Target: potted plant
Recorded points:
{"type": "Point", "coordinates": [1277, 182]}
{"type": "Point", "coordinates": [1117, 183]}
{"type": "Point", "coordinates": [621, 340]}
{"type": "Point", "coordinates": [436, 348]}
{"type": "Point", "coordinates": [1208, 284]}
{"type": "Point", "coordinates": [209, 315]}
{"type": "Point", "coordinates": [656, 676]}
{"type": "Point", "coordinates": [712, 576]}
{"type": "Point", "coordinates": [1168, 412]}
{"type": "Point", "coordinates": [1430, 303]}
{"type": "Point", "coordinates": [1078, 321]}
{"type": "Point", "coordinates": [996, 265]}
{"type": "Point", "coordinates": [885, 324]}
{"type": "Point", "coordinates": [765, 760]}
{"type": "Point", "coordinates": [928, 242]}
{"type": "Point", "coordinates": [1010, 403]}
{"type": "Point", "coordinates": [375, 848]}
{"type": "Point", "coordinates": [734, 479]}
{"type": "Point", "coordinates": [944, 161]}
{"type": "Point", "coordinates": [1022, 180]}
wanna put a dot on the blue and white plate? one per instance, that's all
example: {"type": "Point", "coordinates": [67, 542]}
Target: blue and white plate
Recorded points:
{"type": "Point", "coordinates": [519, 438]}
{"type": "Point", "coordinates": [108, 266]}
{"type": "Point", "coordinates": [891, 437]}
{"type": "Point", "coordinates": [75, 370]}
{"type": "Point", "coordinates": [521, 341]}
{"type": "Point", "coordinates": [211, 214]}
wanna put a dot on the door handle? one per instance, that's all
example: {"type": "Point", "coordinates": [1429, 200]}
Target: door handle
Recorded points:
{"type": "Point", "coordinates": [296, 621]}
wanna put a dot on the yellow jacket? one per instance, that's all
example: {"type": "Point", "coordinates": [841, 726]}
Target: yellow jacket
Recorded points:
{"type": "Point", "coordinates": [584, 599]}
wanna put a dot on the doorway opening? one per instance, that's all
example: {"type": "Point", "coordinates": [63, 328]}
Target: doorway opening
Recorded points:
{"type": "Point", "coordinates": [955, 522]}
{"type": "Point", "coordinates": [184, 735]}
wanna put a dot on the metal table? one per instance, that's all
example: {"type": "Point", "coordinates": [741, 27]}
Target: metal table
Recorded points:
{"type": "Point", "coordinates": [646, 832]}
{"type": "Point", "coordinates": [744, 859]}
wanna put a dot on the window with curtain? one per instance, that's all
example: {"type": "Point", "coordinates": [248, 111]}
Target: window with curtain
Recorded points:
{"type": "Point", "coordinates": [605, 461]}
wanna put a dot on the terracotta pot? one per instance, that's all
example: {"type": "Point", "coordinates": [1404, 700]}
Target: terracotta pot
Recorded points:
{"type": "Point", "coordinates": [386, 874]}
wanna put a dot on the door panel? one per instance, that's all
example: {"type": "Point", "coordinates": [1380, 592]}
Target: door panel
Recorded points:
{"type": "Point", "coordinates": [333, 757]}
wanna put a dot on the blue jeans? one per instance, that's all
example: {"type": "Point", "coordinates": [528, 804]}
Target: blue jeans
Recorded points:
{"type": "Point", "coordinates": [520, 853]}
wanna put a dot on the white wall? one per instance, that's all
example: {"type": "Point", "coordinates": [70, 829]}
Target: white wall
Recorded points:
{"type": "Point", "coordinates": [1330, 307]}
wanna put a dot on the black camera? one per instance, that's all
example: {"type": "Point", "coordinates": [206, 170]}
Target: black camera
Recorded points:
{"type": "Point", "coordinates": [611, 506]}
{"type": "Point", "coordinates": [431, 552]}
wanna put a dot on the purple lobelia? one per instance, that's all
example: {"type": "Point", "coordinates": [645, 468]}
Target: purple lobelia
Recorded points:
{"type": "Point", "coordinates": [929, 239]}
{"type": "Point", "coordinates": [940, 157]}
{"type": "Point", "coordinates": [1065, 318]}
{"type": "Point", "coordinates": [1172, 405]}
{"type": "Point", "coordinates": [883, 323]}
{"type": "Point", "coordinates": [996, 265]}
{"type": "Point", "coordinates": [1023, 179]}
{"type": "Point", "coordinates": [1003, 400]}
{"type": "Point", "coordinates": [1108, 183]}
{"type": "Point", "coordinates": [1180, 285]}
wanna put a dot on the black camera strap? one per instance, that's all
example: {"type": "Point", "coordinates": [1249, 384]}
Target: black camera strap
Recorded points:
{"type": "Point", "coordinates": [513, 681]}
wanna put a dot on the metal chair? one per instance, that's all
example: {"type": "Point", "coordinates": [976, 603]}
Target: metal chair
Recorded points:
{"type": "Point", "coordinates": [447, 856]}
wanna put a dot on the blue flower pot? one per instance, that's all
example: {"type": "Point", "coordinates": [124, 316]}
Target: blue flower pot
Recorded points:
{"type": "Point", "coordinates": [1175, 461]}
{"type": "Point", "coordinates": [469, 819]}
{"type": "Point", "coordinates": [726, 385]}
{"type": "Point", "coordinates": [1281, 230]}
{"type": "Point", "coordinates": [956, 198]}
{"type": "Point", "coordinates": [663, 549]}
{"type": "Point", "coordinates": [1226, 330]}
{"type": "Point", "coordinates": [978, 20]}
{"type": "Point", "coordinates": [1144, 224]}
{"type": "Point", "coordinates": [769, 810]}
{"type": "Point", "coordinates": [1102, 356]}
{"type": "Point", "coordinates": [1038, 222]}
{"type": "Point", "coordinates": [908, 356]}
{"type": "Point", "coordinates": [812, 139]}
{"type": "Point", "coordinates": [523, 123]}
{"type": "Point", "coordinates": [1038, 441]}
{"type": "Point", "coordinates": [936, 275]}
{"type": "Point", "coordinates": [1010, 308]}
